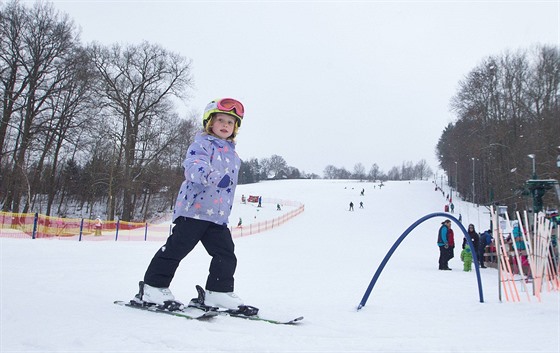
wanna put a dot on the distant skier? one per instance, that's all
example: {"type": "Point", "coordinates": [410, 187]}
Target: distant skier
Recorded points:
{"type": "Point", "coordinates": [98, 226]}
{"type": "Point", "coordinates": [351, 206]}
{"type": "Point", "coordinates": [361, 204]}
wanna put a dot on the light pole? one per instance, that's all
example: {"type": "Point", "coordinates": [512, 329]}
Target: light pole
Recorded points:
{"type": "Point", "coordinates": [532, 156]}
{"type": "Point", "coordinates": [473, 179]}
{"type": "Point", "coordinates": [456, 177]}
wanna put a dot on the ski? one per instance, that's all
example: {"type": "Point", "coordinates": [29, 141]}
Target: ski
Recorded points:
{"type": "Point", "coordinates": [259, 318]}
{"type": "Point", "coordinates": [187, 313]}
{"type": "Point", "coordinates": [243, 312]}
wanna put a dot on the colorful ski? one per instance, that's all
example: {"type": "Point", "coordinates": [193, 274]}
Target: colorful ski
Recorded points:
{"type": "Point", "coordinates": [187, 313]}
{"type": "Point", "coordinates": [244, 311]}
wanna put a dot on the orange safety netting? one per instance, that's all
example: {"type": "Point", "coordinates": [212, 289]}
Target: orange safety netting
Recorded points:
{"type": "Point", "coordinates": [32, 225]}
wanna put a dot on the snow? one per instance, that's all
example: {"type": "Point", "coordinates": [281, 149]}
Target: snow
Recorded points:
{"type": "Point", "coordinates": [56, 296]}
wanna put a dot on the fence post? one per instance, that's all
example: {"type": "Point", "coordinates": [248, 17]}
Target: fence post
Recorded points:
{"type": "Point", "coordinates": [35, 221]}
{"type": "Point", "coordinates": [117, 229]}
{"type": "Point", "coordinates": [81, 229]}
{"type": "Point", "coordinates": [146, 232]}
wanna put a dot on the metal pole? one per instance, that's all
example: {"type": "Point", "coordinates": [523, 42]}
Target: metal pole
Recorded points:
{"type": "Point", "coordinates": [532, 156]}
{"type": "Point", "coordinates": [495, 230]}
{"type": "Point", "coordinates": [35, 223]}
{"type": "Point", "coordinates": [81, 229]}
{"type": "Point", "coordinates": [146, 232]}
{"type": "Point", "coordinates": [473, 179]}
{"type": "Point", "coordinates": [403, 236]}
{"type": "Point", "coordinates": [456, 180]}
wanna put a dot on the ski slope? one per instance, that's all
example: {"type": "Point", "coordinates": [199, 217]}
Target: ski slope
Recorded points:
{"type": "Point", "coordinates": [57, 296]}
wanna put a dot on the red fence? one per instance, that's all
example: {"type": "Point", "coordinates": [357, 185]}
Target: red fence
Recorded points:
{"type": "Point", "coordinates": [262, 226]}
{"type": "Point", "coordinates": [33, 225]}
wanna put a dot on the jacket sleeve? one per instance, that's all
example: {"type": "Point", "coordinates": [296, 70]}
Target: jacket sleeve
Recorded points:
{"type": "Point", "coordinates": [444, 235]}
{"type": "Point", "coordinates": [198, 165]}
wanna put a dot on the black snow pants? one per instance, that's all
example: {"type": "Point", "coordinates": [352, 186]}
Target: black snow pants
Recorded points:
{"type": "Point", "coordinates": [186, 233]}
{"type": "Point", "coordinates": [443, 258]}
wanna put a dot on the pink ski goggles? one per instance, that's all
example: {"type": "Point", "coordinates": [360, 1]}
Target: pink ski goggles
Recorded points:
{"type": "Point", "coordinates": [229, 104]}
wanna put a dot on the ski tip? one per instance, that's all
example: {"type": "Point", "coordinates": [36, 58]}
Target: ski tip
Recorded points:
{"type": "Point", "coordinates": [297, 320]}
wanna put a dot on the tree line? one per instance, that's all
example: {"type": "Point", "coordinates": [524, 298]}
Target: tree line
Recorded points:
{"type": "Point", "coordinates": [89, 124]}
{"type": "Point", "coordinates": [81, 121]}
{"type": "Point", "coordinates": [507, 120]}
{"type": "Point", "coordinates": [407, 171]}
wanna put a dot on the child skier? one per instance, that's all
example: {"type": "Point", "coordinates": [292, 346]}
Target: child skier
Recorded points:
{"type": "Point", "coordinates": [466, 257]}
{"type": "Point", "coordinates": [201, 211]}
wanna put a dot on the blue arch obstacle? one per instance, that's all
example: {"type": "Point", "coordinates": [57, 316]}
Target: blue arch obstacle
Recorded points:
{"type": "Point", "coordinates": [401, 238]}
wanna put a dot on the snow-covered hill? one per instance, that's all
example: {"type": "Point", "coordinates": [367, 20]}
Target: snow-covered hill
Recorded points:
{"type": "Point", "coordinates": [57, 296]}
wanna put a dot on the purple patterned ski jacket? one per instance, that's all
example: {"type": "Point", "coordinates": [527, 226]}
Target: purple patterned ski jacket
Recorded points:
{"type": "Point", "coordinates": [211, 171]}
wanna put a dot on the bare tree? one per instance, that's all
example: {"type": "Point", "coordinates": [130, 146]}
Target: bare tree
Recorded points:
{"type": "Point", "coordinates": [422, 170]}
{"type": "Point", "coordinates": [359, 171]}
{"type": "Point", "coordinates": [329, 172]}
{"type": "Point", "coordinates": [45, 40]}
{"type": "Point", "coordinates": [137, 84]}
{"type": "Point", "coordinates": [507, 108]}
{"type": "Point", "coordinates": [274, 167]}
{"type": "Point", "coordinates": [72, 112]}
{"type": "Point", "coordinates": [374, 172]}
{"type": "Point", "coordinates": [13, 19]}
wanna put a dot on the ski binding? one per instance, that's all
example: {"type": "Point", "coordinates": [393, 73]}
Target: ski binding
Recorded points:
{"type": "Point", "coordinates": [244, 311]}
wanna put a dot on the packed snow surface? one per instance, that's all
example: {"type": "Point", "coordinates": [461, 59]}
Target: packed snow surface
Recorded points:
{"type": "Point", "coordinates": [57, 296]}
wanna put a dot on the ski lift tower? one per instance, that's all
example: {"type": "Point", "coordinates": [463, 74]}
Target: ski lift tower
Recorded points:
{"type": "Point", "coordinates": [538, 187]}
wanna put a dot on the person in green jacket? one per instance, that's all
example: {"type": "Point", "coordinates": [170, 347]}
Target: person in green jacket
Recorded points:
{"type": "Point", "coordinates": [466, 257]}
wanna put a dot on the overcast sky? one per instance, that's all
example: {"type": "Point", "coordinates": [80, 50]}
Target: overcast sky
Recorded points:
{"type": "Point", "coordinates": [328, 82]}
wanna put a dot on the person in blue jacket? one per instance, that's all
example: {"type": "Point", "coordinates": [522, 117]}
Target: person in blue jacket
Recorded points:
{"type": "Point", "coordinates": [518, 237]}
{"type": "Point", "coordinates": [485, 240]}
{"type": "Point", "coordinates": [201, 211]}
{"type": "Point", "coordinates": [443, 244]}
